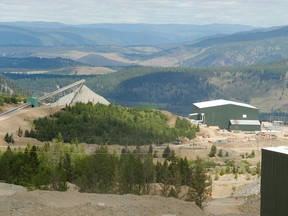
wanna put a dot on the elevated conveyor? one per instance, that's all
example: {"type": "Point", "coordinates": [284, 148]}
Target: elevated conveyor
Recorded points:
{"type": "Point", "coordinates": [22, 106]}
{"type": "Point", "coordinates": [12, 111]}
{"type": "Point", "coordinates": [61, 90]}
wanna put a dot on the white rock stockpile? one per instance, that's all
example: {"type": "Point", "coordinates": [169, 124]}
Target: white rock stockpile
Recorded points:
{"type": "Point", "coordinates": [83, 95]}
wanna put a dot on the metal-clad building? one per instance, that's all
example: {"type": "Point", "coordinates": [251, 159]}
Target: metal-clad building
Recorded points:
{"type": "Point", "coordinates": [274, 181]}
{"type": "Point", "coordinates": [227, 115]}
{"type": "Point", "coordinates": [33, 101]}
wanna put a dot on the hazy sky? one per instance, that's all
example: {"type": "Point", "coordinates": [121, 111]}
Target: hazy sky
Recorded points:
{"type": "Point", "coordinates": [250, 12]}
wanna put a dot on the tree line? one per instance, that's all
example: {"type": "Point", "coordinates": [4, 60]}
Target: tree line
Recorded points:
{"type": "Point", "coordinates": [112, 124]}
{"type": "Point", "coordinates": [50, 167]}
{"type": "Point", "coordinates": [10, 99]}
{"type": "Point", "coordinates": [37, 63]}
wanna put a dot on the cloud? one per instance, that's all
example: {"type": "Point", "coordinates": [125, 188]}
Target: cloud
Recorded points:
{"type": "Point", "coordinates": [255, 12]}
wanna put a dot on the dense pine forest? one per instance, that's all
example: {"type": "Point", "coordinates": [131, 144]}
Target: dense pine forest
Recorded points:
{"type": "Point", "coordinates": [110, 124]}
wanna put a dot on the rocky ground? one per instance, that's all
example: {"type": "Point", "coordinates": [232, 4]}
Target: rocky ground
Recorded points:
{"type": "Point", "coordinates": [16, 201]}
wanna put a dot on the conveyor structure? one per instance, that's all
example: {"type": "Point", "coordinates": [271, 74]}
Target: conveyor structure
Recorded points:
{"type": "Point", "coordinates": [49, 95]}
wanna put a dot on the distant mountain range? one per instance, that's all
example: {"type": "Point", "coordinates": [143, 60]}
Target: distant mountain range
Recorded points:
{"type": "Point", "coordinates": [239, 49]}
{"type": "Point", "coordinates": [170, 45]}
{"type": "Point", "coordinates": [57, 34]}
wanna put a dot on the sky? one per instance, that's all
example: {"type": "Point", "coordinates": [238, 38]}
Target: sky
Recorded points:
{"type": "Point", "coordinates": [258, 13]}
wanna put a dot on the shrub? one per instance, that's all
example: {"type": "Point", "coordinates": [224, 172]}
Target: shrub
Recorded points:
{"type": "Point", "coordinates": [213, 151]}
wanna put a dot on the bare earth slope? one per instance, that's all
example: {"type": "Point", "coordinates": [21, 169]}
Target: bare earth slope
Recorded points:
{"type": "Point", "coordinates": [22, 118]}
{"type": "Point", "coordinates": [15, 200]}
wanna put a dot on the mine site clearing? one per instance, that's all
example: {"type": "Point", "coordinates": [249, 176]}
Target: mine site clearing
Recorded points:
{"type": "Point", "coordinates": [225, 190]}
{"type": "Point", "coordinates": [230, 192]}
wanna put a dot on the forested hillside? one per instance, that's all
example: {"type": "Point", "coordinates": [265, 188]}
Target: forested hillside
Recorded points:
{"type": "Point", "coordinates": [239, 53]}
{"type": "Point", "coordinates": [166, 89]}
{"type": "Point", "coordinates": [112, 124]}
{"type": "Point", "coordinates": [33, 63]}
{"type": "Point", "coordinates": [175, 89]}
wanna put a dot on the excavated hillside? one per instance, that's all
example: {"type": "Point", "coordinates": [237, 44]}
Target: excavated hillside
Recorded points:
{"type": "Point", "coordinates": [16, 200]}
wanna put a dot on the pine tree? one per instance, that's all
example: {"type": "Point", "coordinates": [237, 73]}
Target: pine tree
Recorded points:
{"type": "Point", "coordinates": [6, 138]}
{"type": "Point", "coordinates": [200, 185]}
{"type": "Point", "coordinates": [9, 138]}
{"type": "Point", "coordinates": [220, 153]}
{"type": "Point", "coordinates": [20, 132]}
{"type": "Point", "coordinates": [150, 150]}
{"type": "Point", "coordinates": [166, 152]}
{"type": "Point", "coordinates": [213, 151]}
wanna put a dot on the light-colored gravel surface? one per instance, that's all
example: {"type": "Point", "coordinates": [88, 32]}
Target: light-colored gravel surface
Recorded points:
{"type": "Point", "coordinates": [16, 201]}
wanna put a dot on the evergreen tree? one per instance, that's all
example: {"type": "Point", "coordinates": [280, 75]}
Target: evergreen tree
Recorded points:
{"type": "Point", "coordinates": [20, 132]}
{"type": "Point", "coordinates": [9, 138]}
{"type": "Point", "coordinates": [213, 151]}
{"type": "Point", "coordinates": [220, 153]}
{"type": "Point", "coordinates": [166, 152]}
{"type": "Point", "coordinates": [200, 185]}
{"type": "Point", "coordinates": [5, 167]}
{"type": "Point", "coordinates": [185, 170]}
{"type": "Point", "coordinates": [6, 138]}
{"type": "Point", "coordinates": [252, 155]}
{"type": "Point", "coordinates": [163, 178]}
{"type": "Point", "coordinates": [148, 173]}
{"type": "Point", "coordinates": [150, 150]}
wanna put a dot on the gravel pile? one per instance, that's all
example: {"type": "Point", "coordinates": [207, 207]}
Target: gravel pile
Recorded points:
{"type": "Point", "coordinates": [250, 189]}
{"type": "Point", "coordinates": [85, 95]}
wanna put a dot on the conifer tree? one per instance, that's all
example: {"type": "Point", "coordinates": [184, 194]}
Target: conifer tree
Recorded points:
{"type": "Point", "coordinates": [200, 185]}
{"type": "Point", "coordinates": [150, 150]}
{"type": "Point", "coordinates": [220, 153]}
{"type": "Point", "coordinates": [166, 152]}
{"type": "Point", "coordinates": [213, 151]}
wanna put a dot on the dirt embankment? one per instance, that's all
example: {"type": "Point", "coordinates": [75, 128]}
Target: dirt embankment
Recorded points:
{"type": "Point", "coordinates": [22, 119]}
{"type": "Point", "coordinates": [15, 200]}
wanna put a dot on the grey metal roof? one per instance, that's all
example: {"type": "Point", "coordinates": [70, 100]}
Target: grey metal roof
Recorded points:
{"type": "Point", "coordinates": [221, 102]}
{"type": "Point", "coordinates": [279, 149]}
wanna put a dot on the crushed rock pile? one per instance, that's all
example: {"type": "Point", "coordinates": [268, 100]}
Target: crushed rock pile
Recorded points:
{"type": "Point", "coordinates": [83, 95]}
{"type": "Point", "coordinates": [250, 189]}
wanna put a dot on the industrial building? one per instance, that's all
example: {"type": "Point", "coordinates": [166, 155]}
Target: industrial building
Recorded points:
{"type": "Point", "coordinates": [274, 181]}
{"type": "Point", "coordinates": [226, 114]}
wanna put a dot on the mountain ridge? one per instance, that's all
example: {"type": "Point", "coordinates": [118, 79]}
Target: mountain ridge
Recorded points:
{"type": "Point", "coordinates": [166, 45]}
{"type": "Point", "coordinates": [123, 34]}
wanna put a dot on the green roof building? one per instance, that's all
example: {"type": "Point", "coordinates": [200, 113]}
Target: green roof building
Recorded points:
{"type": "Point", "coordinates": [226, 115]}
